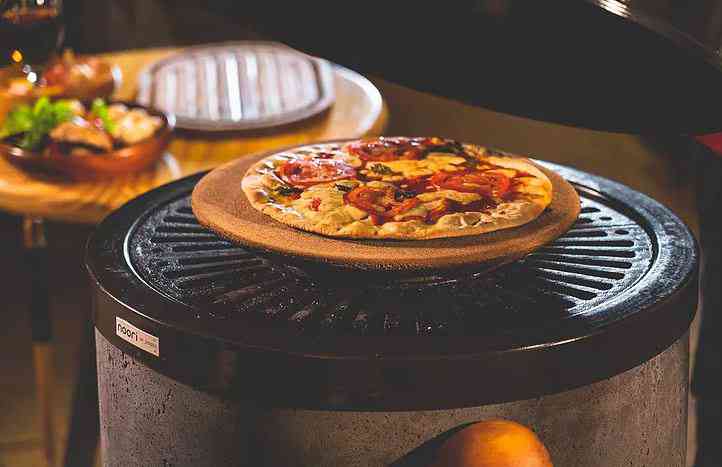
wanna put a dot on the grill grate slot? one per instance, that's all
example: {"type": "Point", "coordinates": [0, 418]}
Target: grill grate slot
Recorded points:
{"type": "Point", "coordinates": [589, 210]}
{"type": "Point", "coordinates": [606, 243]}
{"type": "Point", "coordinates": [604, 253]}
{"type": "Point", "coordinates": [246, 293]}
{"type": "Point", "coordinates": [268, 300]}
{"type": "Point", "coordinates": [552, 265]}
{"type": "Point", "coordinates": [205, 248]}
{"type": "Point", "coordinates": [199, 238]}
{"type": "Point", "coordinates": [205, 269]}
{"type": "Point", "coordinates": [566, 290]}
{"type": "Point", "coordinates": [186, 210]}
{"type": "Point", "coordinates": [224, 277]}
{"type": "Point", "coordinates": [573, 278]}
{"type": "Point", "coordinates": [593, 253]}
{"type": "Point", "coordinates": [562, 258]}
{"type": "Point", "coordinates": [585, 233]}
{"type": "Point", "coordinates": [173, 229]}
{"type": "Point", "coordinates": [228, 258]}
{"type": "Point", "coordinates": [187, 220]}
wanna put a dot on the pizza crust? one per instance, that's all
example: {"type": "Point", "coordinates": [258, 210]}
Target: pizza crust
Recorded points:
{"type": "Point", "coordinates": [336, 218]}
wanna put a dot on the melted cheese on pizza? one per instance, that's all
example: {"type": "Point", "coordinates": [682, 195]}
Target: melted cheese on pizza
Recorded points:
{"type": "Point", "coordinates": [398, 170]}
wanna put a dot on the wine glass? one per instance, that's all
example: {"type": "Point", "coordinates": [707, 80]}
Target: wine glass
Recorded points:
{"type": "Point", "coordinates": [31, 32]}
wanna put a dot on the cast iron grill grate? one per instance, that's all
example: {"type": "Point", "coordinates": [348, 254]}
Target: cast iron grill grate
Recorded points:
{"type": "Point", "coordinates": [605, 253]}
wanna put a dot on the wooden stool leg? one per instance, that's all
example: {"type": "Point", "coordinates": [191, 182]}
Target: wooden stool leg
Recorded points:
{"type": "Point", "coordinates": [36, 253]}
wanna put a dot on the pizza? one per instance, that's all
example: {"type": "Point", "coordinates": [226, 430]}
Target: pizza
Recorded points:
{"type": "Point", "coordinates": [398, 188]}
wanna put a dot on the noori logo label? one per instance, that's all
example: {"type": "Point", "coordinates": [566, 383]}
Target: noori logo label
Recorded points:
{"type": "Point", "coordinates": [129, 333]}
{"type": "Point", "coordinates": [137, 336]}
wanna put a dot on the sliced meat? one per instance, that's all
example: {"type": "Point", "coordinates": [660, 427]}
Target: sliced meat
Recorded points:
{"type": "Point", "coordinates": [133, 125]}
{"type": "Point", "coordinates": [78, 131]}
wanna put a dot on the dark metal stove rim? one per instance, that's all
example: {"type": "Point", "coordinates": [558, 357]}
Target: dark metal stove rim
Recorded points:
{"type": "Point", "coordinates": [376, 384]}
{"type": "Point", "coordinates": [560, 340]}
{"type": "Point", "coordinates": [158, 320]}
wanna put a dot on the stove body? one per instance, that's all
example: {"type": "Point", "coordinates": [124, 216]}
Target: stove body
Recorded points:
{"type": "Point", "coordinates": [211, 355]}
{"type": "Point", "coordinates": [637, 418]}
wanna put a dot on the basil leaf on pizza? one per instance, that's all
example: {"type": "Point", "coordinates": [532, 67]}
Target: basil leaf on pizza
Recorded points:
{"type": "Point", "coordinates": [398, 188]}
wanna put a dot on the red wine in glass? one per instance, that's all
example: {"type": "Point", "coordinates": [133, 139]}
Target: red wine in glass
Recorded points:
{"type": "Point", "coordinates": [30, 33]}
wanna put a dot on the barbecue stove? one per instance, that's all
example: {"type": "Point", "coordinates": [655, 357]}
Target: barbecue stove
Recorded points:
{"type": "Point", "coordinates": [210, 354]}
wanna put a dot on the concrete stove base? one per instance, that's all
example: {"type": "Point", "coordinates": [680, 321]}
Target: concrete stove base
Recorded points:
{"type": "Point", "coordinates": [637, 418]}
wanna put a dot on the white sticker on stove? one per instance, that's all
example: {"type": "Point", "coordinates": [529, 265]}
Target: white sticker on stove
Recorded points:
{"type": "Point", "coordinates": [137, 337]}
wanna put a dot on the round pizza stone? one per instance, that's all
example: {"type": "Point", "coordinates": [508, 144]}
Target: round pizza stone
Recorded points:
{"type": "Point", "coordinates": [220, 204]}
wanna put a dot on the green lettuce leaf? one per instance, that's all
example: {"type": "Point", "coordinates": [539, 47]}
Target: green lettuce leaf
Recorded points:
{"type": "Point", "coordinates": [34, 123]}
{"type": "Point", "coordinates": [100, 110]}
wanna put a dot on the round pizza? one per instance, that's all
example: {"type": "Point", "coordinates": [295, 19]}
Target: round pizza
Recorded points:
{"type": "Point", "coordinates": [398, 187]}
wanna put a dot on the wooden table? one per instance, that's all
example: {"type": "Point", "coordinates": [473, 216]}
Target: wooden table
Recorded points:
{"type": "Point", "coordinates": [358, 111]}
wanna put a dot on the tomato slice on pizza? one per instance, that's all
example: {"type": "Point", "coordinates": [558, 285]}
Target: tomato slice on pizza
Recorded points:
{"type": "Point", "coordinates": [304, 172]}
{"type": "Point", "coordinates": [483, 182]}
{"type": "Point", "coordinates": [382, 203]}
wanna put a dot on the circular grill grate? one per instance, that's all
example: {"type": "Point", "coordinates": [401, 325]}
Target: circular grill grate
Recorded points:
{"type": "Point", "coordinates": [605, 252]}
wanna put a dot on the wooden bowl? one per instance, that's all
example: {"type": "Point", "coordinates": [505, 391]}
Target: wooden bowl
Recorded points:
{"type": "Point", "coordinates": [121, 161]}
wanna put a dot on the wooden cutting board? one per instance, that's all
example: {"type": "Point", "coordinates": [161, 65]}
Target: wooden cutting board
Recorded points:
{"type": "Point", "coordinates": [238, 86]}
{"type": "Point", "coordinates": [220, 204]}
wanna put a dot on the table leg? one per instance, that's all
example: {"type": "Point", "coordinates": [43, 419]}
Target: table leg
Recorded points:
{"type": "Point", "coordinates": [706, 384]}
{"type": "Point", "coordinates": [36, 257]}
{"type": "Point", "coordinates": [84, 431]}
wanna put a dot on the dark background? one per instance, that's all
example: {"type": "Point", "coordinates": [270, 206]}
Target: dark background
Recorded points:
{"type": "Point", "coordinates": [104, 25]}
{"type": "Point", "coordinates": [108, 25]}
{"type": "Point", "coordinates": [566, 61]}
